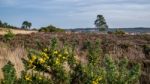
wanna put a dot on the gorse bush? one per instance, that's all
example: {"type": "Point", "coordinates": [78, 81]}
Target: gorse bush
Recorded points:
{"type": "Point", "coordinates": [58, 65]}
{"type": "Point", "coordinates": [51, 61]}
{"type": "Point", "coordinates": [9, 35]}
{"type": "Point", "coordinates": [94, 56]}
{"type": "Point", "coordinates": [118, 73]}
{"type": "Point", "coordinates": [33, 78]}
{"type": "Point", "coordinates": [9, 74]}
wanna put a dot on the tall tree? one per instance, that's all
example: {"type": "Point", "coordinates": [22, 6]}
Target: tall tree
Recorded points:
{"type": "Point", "coordinates": [29, 24]}
{"type": "Point", "coordinates": [5, 24]}
{"type": "Point", "coordinates": [100, 23]}
{"type": "Point", "coordinates": [1, 24]}
{"type": "Point", "coordinates": [26, 25]}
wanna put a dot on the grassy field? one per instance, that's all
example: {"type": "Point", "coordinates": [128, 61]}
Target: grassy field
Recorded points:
{"type": "Point", "coordinates": [15, 31]}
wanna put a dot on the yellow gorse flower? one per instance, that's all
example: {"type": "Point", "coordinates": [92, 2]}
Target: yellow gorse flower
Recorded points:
{"type": "Point", "coordinates": [40, 78]}
{"type": "Point", "coordinates": [33, 58]}
{"type": "Point", "coordinates": [30, 61]}
{"type": "Point", "coordinates": [59, 55]}
{"type": "Point", "coordinates": [45, 50]}
{"type": "Point", "coordinates": [96, 81]}
{"type": "Point", "coordinates": [41, 61]}
{"type": "Point", "coordinates": [27, 77]}
{"type": "Point", "coordinates": [55, 52]}
{"type": "Point", "coordinates": [66, 52]}
{"type": "Point", "coordinates": [46, 57]}
{"type": "Point", "coordinates": [57, 62]}
{"type": "Point", "coordinates": [99, 79]}
{"type": "Point", "coordinates": [43, 54]}
{"type": "Point", "coordinates": [63, 57]}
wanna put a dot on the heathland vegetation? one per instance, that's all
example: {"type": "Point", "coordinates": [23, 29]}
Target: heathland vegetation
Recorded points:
{"type": "Point", "coordinates": [58, 64]}
{"type": "Point", "coordinates": [76, 58]}
{"type": "Point", "coordinates": [53, 56]}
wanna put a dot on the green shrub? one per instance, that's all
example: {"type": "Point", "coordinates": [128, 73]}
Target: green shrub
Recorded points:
{"type": "Point", "coordinates": [119, 32]}
{"type": "Point", "coordinates": [94, 52]}
{"type": "Point", "coordinates": [60, 64]}
{"type": "Point", "coordinates": [110, 32]}
{"type": "Point", "coordinates": [9, 74]}
{"type": "Point", "coordinates": [119, 73]}
{"type": "Point", "coordinates": [9, 35]}
{"type": "Point", "coordinates": [50, 28]}
{"type": "Point", "coordinates": [50, 60]}
{"type": "Point", "coordinates": [146, 50]}
{"type": "Point", "coordinates": [33, 78]}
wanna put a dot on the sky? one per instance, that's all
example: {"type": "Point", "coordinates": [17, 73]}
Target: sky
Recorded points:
{"type": "Point", "coordinates": [76, 13]}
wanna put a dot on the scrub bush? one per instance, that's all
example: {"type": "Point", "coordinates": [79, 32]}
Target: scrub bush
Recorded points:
{"type": "Point", "coordinates": [61, 66]}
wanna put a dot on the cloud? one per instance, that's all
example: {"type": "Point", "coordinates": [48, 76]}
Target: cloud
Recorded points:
{"type": "Point", "coordinates": [55, 4]}
{"type": "Point", "coordinates": [79, 13]}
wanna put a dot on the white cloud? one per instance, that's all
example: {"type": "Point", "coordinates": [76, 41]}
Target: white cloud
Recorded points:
{"type": "Point", "coordinates": [82, 12]}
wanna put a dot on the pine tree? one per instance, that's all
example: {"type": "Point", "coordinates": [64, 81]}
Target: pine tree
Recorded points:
{"type": "Point", "coordinates": [100, 23]}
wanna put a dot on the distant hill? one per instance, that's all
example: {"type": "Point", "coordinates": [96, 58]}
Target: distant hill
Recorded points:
{"type": "Point", "coordinates": [134, 30]}
{"type": "Point", "coordinates": [129, 30]}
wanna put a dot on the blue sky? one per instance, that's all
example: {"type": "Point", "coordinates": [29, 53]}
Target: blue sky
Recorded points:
{"type": "Point", "coordinates": [76, 13]}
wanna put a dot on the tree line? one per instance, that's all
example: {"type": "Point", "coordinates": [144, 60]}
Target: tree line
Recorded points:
{"type": "Point", "coordinates": [100, 23]}
{"type": "Point", "coordinates": [6, 25]}
{"type": "Point", "coordinates": [25, 25]}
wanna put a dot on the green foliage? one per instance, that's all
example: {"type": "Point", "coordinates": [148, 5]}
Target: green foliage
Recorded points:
{"type": "Point", "coordinates": [119, 73]}
{"type": "Point", "coordinates": [100, 23]}
{"type": "Point", "coordinates": [9, 35]}
{"type": "Point", "coordinates": [59, 63]}
{"type": "Point", "coordinates": [50, 60]}
{"type": "Point", "coordinates": [26, 25]}
{"type": "Point", "coordinates": [6, 25]}
{"type": "Point", "coordinates": [1, 24]}
{"type": "Point", "coordinates": [94, 52]}
{"type": "Point", "coordinates": [33, 78]}
{"type": "Point", "coordinates": [119, 32]}
{"type": "Point", "coordinates": [146, 50]}
{"type": "Point", "coordinates": [50, 28]}
{"type": "Point", "coordinates": [78, 76]}
{"type": "Point", "coordinates": [9, 74]}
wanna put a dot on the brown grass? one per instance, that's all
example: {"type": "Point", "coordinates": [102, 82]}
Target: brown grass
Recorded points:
{"type": "Point", "coordinates": [15, 56]}
{"type": "Point", "coordinates": [15, 31]}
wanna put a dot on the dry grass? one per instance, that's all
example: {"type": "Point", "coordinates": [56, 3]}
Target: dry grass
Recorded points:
{"type": "Point", "coordinates": [15, 31]}
{"type": "Point", "coordinates": [15, 56]}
